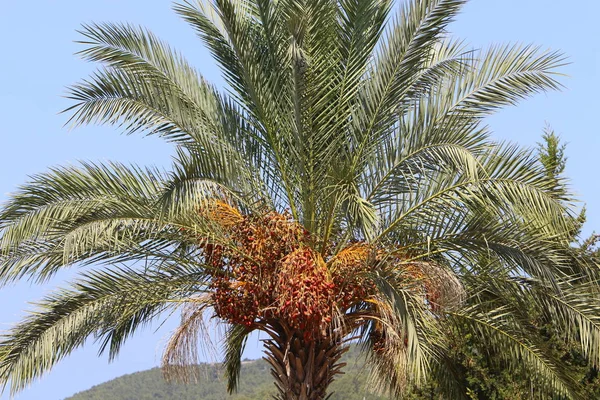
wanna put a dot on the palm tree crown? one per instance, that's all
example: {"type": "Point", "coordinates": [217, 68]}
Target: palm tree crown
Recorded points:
{"type": "Point", "coordinates": [342, 187]}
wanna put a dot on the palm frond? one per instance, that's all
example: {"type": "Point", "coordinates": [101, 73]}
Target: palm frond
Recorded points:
{"type": "Point", "coordinates": [181, 352]}
{"type": "Point", "coordinates": [111, 305]}
{"type": "Point", "coordinates": [418, 27]}
{"type": "Point", "coordinates": [502, 76]}
{"type": "Point", "coordinates": [402, 340]}
{"type": "Point", "coordinates": [235, 342]}
{"type": "Point", "coordinates": [146, 86]}
{"type": "Point", "coordinates": [509, 344]}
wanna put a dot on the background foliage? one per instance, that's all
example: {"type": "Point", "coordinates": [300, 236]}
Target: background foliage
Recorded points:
{"type": "Point", "coordinates": [255, 384]}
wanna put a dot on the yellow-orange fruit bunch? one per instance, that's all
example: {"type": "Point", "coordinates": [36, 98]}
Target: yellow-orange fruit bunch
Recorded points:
{"type": "Point", "coordinates": [305, 292]}
{"type": "Point", "coordinates": [269, 271]}
{"type": "Point", "coordinates": [350, 274]}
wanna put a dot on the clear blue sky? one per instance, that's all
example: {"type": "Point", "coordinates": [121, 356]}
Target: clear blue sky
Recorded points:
{"type": "Point", "coordinates": [37, 62]}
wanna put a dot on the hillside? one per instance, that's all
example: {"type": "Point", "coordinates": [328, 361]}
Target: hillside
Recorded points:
{"type": "Point", "coordinates": [256, 384]}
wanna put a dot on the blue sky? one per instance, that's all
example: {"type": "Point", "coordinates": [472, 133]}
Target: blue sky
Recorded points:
{"type": "Point", "coordinates": [37, 63]}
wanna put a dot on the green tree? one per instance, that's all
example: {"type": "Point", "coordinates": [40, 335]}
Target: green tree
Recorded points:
{"type": "Point", "coordinates": [551, 153]}
{"type": "Point", "coordinates": [342, 186]}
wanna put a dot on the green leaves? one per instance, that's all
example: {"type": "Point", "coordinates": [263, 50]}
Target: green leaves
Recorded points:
{"type": "Point", "coordinates": [235, 342]}
{"type": "Point", "coordinates": [108, 305]}
{"type": "Point", "coordinates": [146, 85]}
{"type": "Point", "coordinates": [503, 75]}
{"type": "Point", "coordinates": [96, 213]}
{"type": "Point", "coordinates": [509, 344]}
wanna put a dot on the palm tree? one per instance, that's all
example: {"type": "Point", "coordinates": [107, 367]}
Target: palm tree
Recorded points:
{"type": "Point", "coordinates": [342, 188]}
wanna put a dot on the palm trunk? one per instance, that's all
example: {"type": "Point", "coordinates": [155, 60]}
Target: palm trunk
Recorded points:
{"type": "Point", "coordinates": [303, 369]}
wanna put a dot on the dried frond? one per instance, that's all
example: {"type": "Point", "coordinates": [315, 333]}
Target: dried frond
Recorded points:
{"type": "Point", "coordinates": [180, 357]}
{"type": "Point", "coordinates": [444, 290]}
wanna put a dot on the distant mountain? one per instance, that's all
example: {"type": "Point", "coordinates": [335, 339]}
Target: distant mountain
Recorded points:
{"type": "Point", "coordinates": [255, 384]}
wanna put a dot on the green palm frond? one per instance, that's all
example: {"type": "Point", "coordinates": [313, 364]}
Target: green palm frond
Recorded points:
{"type": "Point", "coordinates": [108, 305]}
{"type": "Point", "coordinates": [575, 310]}
{"type": "Point", "coordinates": [146, 85]}
{"type": "Point", "coordinates": [502, 76]}
{"type": "Point", "coordinates": [406, 49]}
{"type": "Point", "coordinates": [39, 219]}
{"type": "Point", "coordinates": [497, 331]}
{"type": "Point", "coordinates": [411, 336]}
{"type": "Point", "coordinates": [235, 342]}
{"type": "Point", "coordinates": [96, 213]}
